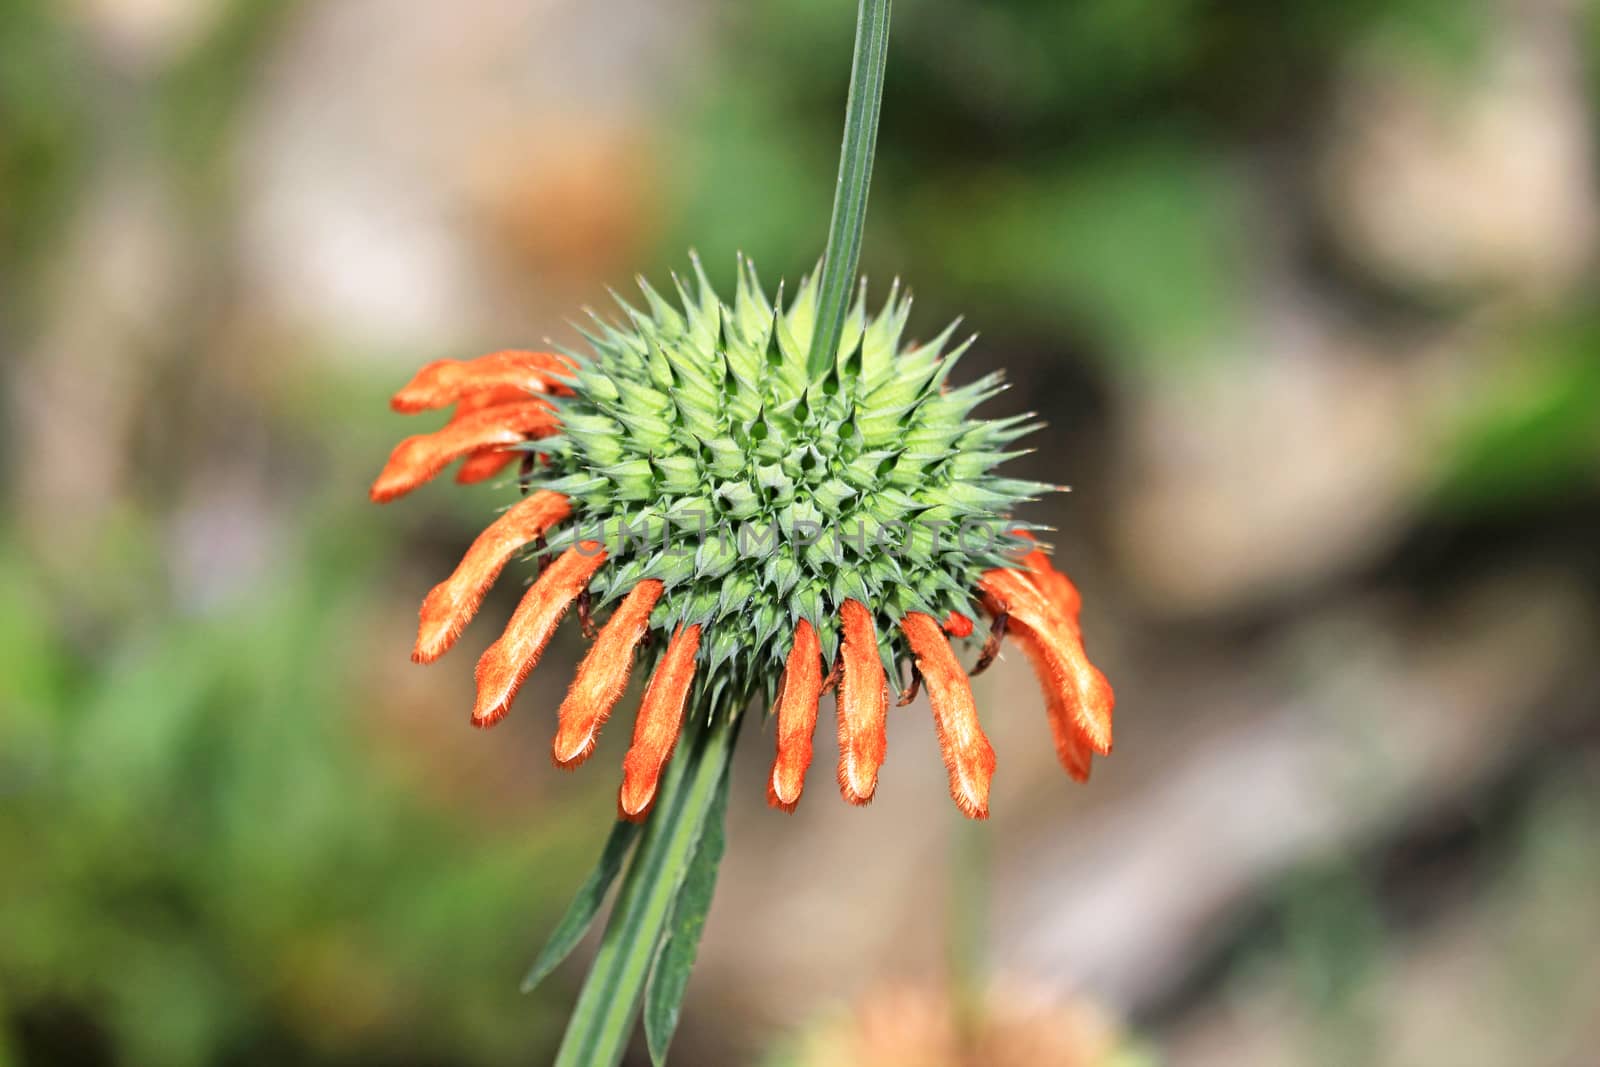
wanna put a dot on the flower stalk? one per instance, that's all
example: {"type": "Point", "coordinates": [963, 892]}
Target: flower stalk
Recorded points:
{"type": "Point", "coordinates": [687, 818]}
{"type": "Point", "coordinates": [855, 176]}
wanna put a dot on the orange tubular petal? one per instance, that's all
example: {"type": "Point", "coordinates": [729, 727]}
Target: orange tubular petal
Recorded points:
{"type": "Point", "coordinates": [506, 664]}
{"type": "Point", "coordinates": [481, 466]}
{"type": "Point", "coordinates": [1073, 749]}
{"type": "Point", "coordinates": [797, 718]}
{"type": "Point", "coordinates": [603, 675]}
{"type": "Point", "coordinates": [488, 398]}
{"type": "Point", "coordinates": [416, 459]}
{"type": "Point", "coordinates": [1082, 688]}
{"type": "Point", "coordinates": [958, 625]}
{"type": "Point", "coordinates": [968, 756]}
{"type": "Point", "coordinates": [655, 731]}
{"type": "Point", "coordinates": [863, 706]}
{"type": "Point", "coordinates": [446, 381]}
{"type": "Point", "coordinates": [1056, 587]}
{"type": "Point", "coordinates": [454, 601]}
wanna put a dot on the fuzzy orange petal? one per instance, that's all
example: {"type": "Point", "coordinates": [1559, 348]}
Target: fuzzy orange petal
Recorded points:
{"type": "Point", "coordinates": [863, 706]}
{"type": "Point", "coordinates": [446, 381]}
{"type": "Point", "coordinates": [1083, 689]}
{"type": "Point", "coordinates": [481, 466]}
{"type": "Point", "coordinates": [660, 720]}
{"type": "Point", "coordinates": [419, 458]}
{"type": "Point", "coordinates": [453, 602]}
{"type": "Point", "coordinates": [797, 718]}
{"type": "Point", "coordinates": [506, 664]}
{"type": "Point", "coordinates": [1056, 587]}
{"type": "Point", "coordinates": [1073, 749]}
{"type": "Point", "coordinates": [495, 396]}
{"type": "Point", "coordinates": [603, 675]}
{"type": "Point", "coordinates": [968, 756]}
{"type": "Point", "coordinates": [958, 625]}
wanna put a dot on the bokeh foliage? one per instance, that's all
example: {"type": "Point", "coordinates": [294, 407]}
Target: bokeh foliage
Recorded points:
{"type": "Point", "coordinates": [206, 855]}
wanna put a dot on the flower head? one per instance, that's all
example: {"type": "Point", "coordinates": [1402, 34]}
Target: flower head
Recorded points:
{"type": "Point", "coordinates": [752, 530]}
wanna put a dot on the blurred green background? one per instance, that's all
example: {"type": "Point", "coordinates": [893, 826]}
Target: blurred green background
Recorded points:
{"type": "Point", "coordinates": [1305, 289]}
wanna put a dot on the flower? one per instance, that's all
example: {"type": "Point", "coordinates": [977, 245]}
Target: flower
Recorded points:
{"type": "Point", "coordinates": [749, 527]}
{"type": "Point", "coordinates": [1008, 1022]}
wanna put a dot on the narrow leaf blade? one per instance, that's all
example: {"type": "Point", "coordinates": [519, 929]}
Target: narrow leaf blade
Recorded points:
{"type": "Point", "coordinates": [669, 975]}
{"type": "Point", "coordinates": [585, 906]}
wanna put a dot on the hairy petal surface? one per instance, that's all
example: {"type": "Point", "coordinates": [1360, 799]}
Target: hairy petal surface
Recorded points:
{"type": "Point", "coordinates": [1057, 587]}
{"type": "Point", "coordinates": [800, 691]}
{"type": "Point", "coordinates": [417, 459]}
{"type": "Point", "coordinates": [603, 675]}
{"type": "Point", "coordinates": [1073, 749]}
{"type": "Point", "coordinates": [863, 706]}
{"type": "Point", "coordinates": [506, 664]}
{"type": "Point", "coordinates": [453, 602]}
{"type": "Point", "coordinates": [447, 381]}
{"type": "Point", "coordinates": [660, 720]}
{"type": "Point", "coordinates": [1081, 686]}
{"type": "Point", "coordinates": [968, 756]}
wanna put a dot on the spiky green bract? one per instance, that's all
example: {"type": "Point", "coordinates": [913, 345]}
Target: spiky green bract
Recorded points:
{"type": "Point", "coordinates": [697, 449]}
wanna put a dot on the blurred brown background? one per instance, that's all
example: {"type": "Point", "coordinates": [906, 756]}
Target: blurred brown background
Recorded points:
{"type": "Point", "coordinates": [1305, 289]}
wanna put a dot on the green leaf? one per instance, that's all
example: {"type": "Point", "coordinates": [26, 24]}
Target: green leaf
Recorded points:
{"type": "Point", "coordinates": [598, 1029]}
{"type": "Point", "coordinates": [669, 976]}
{"type": "Point", "coordinates": [585, 906]}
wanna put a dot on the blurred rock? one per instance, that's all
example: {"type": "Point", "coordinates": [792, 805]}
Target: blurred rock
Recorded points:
{"type": "Point", "coordinates": [1473, 180]}
{"type": "Point", "coordinates": [1272, 470]}
{"type": "Point", "coordinates": [1304, 445]}
{"type": "Point", "coordinates": [1356, 721]}
{"type": "Point", "coordinates": [476, 199]}
{"type": "Point", "coordinates": [1509, 977]}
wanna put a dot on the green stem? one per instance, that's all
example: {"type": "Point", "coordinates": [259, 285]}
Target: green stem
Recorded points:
{"type": "Point", "coordinates": [855, 175]}
{"type": "Point", "coordinates": [602, 1021]}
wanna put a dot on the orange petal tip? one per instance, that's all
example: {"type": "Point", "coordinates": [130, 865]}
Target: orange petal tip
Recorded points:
{"type": "Point", "coordinates": [785, 796]}
{"type": "Point", "coordinates": [958, 625]}
{"type": "Point", "coordinates": [658, 724]}
{"type": "Point", "coordinates": [862, 704]}
{"type": "Point", "coordinates": [636, 799]}
{"type": "Point", "coordinates": [796, 714]}
{"type": "Point", "coordinates": [419, 458]}
{"type": "Point", "coordinates": [602, 677]}
{"type": "Point", "coordinates": [506, 664]}
{"type": "Point", "coordinates": [570, 753]}
{"type": "Point", "coordinates": [451, 604]}
{"type": "Point", "coordinates": [968, 756]}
